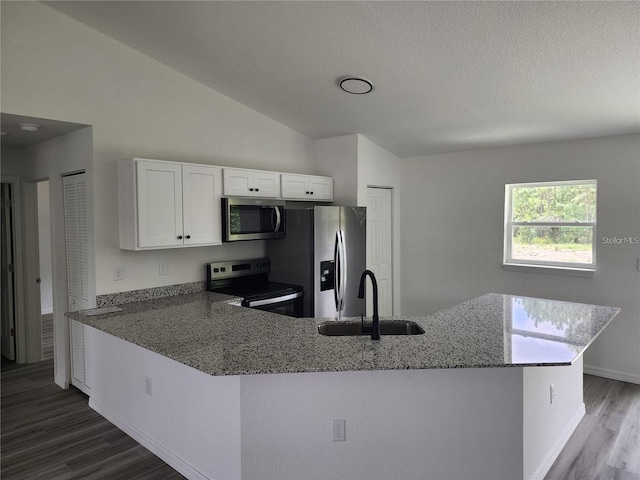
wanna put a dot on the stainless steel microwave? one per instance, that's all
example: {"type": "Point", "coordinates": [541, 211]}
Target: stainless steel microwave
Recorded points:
{"type": "Point", "coordinates": [252, 218]}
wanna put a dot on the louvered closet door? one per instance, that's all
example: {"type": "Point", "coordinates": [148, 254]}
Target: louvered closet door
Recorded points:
{"type": "Point", "coordinates": [76, 231]}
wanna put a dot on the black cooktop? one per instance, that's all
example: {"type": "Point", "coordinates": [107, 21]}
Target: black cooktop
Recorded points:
{"type": "Point", "coordinates": [246, 278]}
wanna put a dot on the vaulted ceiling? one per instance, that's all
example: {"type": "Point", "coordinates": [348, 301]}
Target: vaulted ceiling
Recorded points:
{"type": "Point", "coordinates": [447, 76]}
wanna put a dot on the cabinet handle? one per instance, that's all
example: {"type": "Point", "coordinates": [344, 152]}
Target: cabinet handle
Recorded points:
{"type": "Point", "coordinates": [179, 237]}
{"type": "Point", "coordinates": [257, 189]}
{"type": "Point", "coordinates": [307, 193]}
{"type": "Point", "coordinates": [188, 237]}
{"type": "Point", "coordinates": [251, 189]}
{"type": "Point", "coordinates": [311, 193]}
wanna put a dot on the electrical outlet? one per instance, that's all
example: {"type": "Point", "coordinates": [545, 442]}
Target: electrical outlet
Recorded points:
{"type": "Point", "coordinates": [338, 433]}
{"type": "Point", "coordinates": [163, 268]}
{"type": "Point", "coordinates": [552, 392]}
{"type": "Point", "coordinates": [147, 385]}
{"type": "Point", "coordinates": [118, 273]}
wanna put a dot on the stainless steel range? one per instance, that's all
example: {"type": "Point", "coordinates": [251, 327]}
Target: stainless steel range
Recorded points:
{"type": "Point", "coordinates": [249, 279]}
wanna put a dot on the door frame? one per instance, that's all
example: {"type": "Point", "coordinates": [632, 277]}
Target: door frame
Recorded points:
{"type": "Point", "coordinates": [32, 311]}
{"type": "Point", "coordinates": [19, 290]}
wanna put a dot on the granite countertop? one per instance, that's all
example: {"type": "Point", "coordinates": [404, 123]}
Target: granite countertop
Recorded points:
{"type": "Point", "coordinates": [203, 331]}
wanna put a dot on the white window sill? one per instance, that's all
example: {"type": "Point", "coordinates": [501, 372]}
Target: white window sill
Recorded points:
{"type": "Point", "coordinates": [571, 271]}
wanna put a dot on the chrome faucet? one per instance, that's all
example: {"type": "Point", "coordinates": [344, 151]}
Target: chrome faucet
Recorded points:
{"type": "Point", "coordinates": [375, 326]}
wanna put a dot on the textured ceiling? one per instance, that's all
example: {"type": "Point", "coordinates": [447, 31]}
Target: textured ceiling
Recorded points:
{"type": "Point", "coordinates": [448, 76]}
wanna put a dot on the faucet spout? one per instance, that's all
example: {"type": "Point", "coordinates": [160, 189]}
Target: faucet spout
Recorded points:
{"type": "Point", "coordinates": [375, 327]}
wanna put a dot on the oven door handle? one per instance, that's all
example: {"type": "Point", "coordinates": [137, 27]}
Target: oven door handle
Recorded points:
{"type": "Point", "coordinates": [271, 301]}
{"type": "Point", "coordinates": [278, 218]}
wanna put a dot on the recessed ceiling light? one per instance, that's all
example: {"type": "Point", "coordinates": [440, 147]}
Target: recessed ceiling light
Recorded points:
{"type": "Point", "coordinates": [29, 127]}
{"type": "Point", "coordinates": [356, 85]}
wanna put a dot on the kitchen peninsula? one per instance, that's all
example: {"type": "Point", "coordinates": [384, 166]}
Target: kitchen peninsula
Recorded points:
{"type": "Point", "coordinates": [220, 391]}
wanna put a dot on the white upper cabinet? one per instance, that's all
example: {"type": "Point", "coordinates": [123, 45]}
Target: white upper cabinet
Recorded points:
{"type": "Point", "coordinates": [307, 187]}
{"type": "Point", "coordinates": [167, 204]}
{"type": "Point", "coordinates": [201, 193]}
{"type": "Point", "coordinates": [251, 183]}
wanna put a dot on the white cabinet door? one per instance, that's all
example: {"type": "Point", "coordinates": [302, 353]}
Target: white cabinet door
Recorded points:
{"type": "Point", "coordinates": [238, 183]}
{"type": "Point", "coordinates": [295, 186]}
{"type": "Point", "coordinates": [159, 204]}
{"type": "Point", "coordinates": [251, 183]}
{"type": "Point", "coordinates": [307, 187]}
{"type": "Point", "coordinates": [201, 192]}
{"type": "Point", "coordinates": [321, 188]}
{"type": "Point", "coordinates": [266, 184]}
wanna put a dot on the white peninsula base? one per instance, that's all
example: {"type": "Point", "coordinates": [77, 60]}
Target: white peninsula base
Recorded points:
{"type": "Point", "coordinates": [477, 423]}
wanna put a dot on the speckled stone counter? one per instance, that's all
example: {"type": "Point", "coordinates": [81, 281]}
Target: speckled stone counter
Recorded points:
{"type": "Point", "coordinates": [203, 331]}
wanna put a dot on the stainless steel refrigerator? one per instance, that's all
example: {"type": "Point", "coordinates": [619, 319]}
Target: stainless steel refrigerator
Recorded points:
{"type": "Point", "coordinates": [324, 250]}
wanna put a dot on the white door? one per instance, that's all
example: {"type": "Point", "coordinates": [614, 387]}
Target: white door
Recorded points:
{"type": "Point", "coordinates": [380, 246]}
{"type": "Point", "coordinates": [159, 203]}
{"type": "Point", "coordinates": [8, 277]}
{"type": "Point", "coordinates": [201, 191]}
{"type": "Point", "coordinates": [77, 240]}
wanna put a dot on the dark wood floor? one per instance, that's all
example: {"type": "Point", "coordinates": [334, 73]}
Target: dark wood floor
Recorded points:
{"type": "Point", "coordinates": [606, 444]}
{"type": "Point", "coordinates": [50, 433]}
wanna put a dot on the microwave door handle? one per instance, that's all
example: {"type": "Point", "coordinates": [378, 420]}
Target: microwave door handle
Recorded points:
{"type": "Point", "coordinates": [278, 218]}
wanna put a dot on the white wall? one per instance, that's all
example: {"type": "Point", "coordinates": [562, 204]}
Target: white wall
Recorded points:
{"type": "Point", "coordinates": [378, 167]}
{"type": "Point", "coordinates": [44, 241]}
{"type": "Point", "coordinates": [356, 163]}
{"type": "Point", "coordinates": [452, 225]}
{"type": "Point", "coordinates": [55, 67]}
{"type": "Point", "coordinates": [337, 157]}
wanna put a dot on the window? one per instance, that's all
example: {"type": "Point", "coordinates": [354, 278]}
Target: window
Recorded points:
{"type": "Point", "coordinates": [551, 224]}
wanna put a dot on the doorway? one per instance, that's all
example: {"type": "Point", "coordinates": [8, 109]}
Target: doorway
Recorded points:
{"type": "Point", "coordinates": [45, 272]}
{"type": "Point", "coordinates": [8, 275]}
{"type": "Point", "coordinates": [380, 244]}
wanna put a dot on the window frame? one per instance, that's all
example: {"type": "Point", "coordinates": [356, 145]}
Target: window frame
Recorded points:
{"type": "Point", "coordinates": [509, 263]}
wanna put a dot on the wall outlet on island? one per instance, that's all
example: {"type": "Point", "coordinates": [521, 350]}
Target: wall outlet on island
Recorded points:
{"type": "Point", "coordinates": [147, 385]}
{"type": "Point", "coordinates": [552, 392]}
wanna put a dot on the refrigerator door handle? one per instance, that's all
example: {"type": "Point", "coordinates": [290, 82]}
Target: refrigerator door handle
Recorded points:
{"type": "Point", "coordinates": [343, 269]}
{"type": "Point", "coordinates": [278, 218]}
{"type": "Point", "coordinates": [336, 271]}
{"type": "Point", "coordinates": [340, 272]}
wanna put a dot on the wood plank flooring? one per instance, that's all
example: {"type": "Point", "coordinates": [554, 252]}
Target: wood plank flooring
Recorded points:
{"type": "Point", "coordinates": [50, 433]}
{"type": "Point", "coordinates": [606, 444]}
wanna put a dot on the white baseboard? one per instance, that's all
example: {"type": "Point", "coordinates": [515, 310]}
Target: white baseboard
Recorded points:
{"type": "Point", "coordinates": [150, 444]}
{"type": "Point", "coordinates": [612, 374]}
{"type": "Point", "coordinates": [555, 450]}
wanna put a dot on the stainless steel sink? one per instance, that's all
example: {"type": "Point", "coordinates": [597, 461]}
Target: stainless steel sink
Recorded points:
{"type": "Point", "coordinates": [387, 327]}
